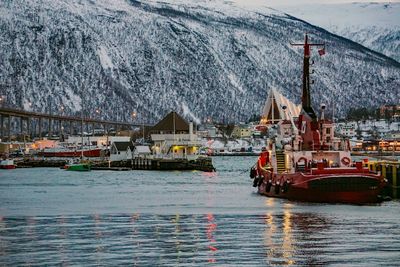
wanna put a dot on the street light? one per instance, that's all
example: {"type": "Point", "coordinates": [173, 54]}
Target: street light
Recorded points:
{"type": "Point", "coordinates": [2, 99]}
{"type": "Point", "coordinates": [133, 115]}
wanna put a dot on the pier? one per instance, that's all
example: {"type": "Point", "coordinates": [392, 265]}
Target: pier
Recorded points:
{"type": "Point", "coordinates": [31, 123]}
{"type": "Point", "coordinates": [391, 171]}
{"type": "Point", "coordinates": [200, 164]}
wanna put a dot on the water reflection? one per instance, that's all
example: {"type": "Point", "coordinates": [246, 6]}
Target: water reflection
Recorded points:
{"type": "Point", "coordinates": [278, 237]}
{"type": "Point", "coordinates": [211, 227]}
{"type": "Point", "coordinates": [133, 237]}
{"type": "Point", "coordinates": [3, 243]}
{"type": "Point", "coordinates": [287, 247]}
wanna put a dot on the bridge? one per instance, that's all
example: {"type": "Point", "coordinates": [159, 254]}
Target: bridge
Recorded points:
{"type": "Point", "coordinates": [31, 123]}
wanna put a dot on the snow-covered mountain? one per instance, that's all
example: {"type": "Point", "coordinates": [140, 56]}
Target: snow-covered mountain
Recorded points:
{"type": "Point", "coordinates": [372, 24]}
{"type": "Point", "coordinates": [209, 59]}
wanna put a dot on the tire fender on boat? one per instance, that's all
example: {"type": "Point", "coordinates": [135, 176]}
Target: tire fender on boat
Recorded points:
{"type": "Point", "coordinates": [268, 186]}
{"type": "Point", "coordinates": [277, 188]}
{"type": "Point", "coordinates": [285, 186]}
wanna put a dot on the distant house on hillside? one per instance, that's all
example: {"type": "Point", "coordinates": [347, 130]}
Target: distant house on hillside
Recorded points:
{"type": "Point", "coordinates": [173, 137]}
{"type": "Point", "coordinates": [390, 111]}
{"type": "Point", "coordinates": [241, 131]}
{"type": "Point", "coordinates": [346, 129]}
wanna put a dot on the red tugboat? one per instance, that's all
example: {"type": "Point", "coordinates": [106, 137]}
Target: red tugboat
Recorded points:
{"type": "Point", "coordinates": [305, 162]}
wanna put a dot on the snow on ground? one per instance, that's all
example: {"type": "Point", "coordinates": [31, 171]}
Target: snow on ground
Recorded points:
{"type": "Point", "coordinates": [187, 113]}
{"type": "Point", "coordinates": [105, 60]}
{"type": "Point", "coordinates": [334, 16]}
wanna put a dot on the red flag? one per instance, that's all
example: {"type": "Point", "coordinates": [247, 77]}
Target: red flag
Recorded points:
{"type": "Point", "coordinates": [321, 52]}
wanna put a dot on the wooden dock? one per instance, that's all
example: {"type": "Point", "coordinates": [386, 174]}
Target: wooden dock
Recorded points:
{"type": "Point", "coordinates": [391, 171]}
{"type": "Point", "coordinates": [200, 164]}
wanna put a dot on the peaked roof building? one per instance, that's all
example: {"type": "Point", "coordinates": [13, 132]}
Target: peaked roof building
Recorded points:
{"type": "Point", "coordinates": [278, 108]}
{"type": "Point", "coordinates": [172, 123]}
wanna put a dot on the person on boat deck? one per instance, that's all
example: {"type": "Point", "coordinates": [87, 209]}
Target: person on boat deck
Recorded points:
{"type": "Point", "coordinates": [263, 161]}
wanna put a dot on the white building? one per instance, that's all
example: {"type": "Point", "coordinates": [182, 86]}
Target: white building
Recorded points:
{"type": "Point", "coordinates": [346, 129]}
{"type": "Point", "coordinates": [173, 137]}
{"type": "Point", "coordinates": [141, 152]}
{"type": "Point", "coordinates": [121, 151]}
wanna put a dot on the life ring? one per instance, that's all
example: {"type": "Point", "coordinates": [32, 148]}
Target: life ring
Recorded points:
{"type": "Point", "coordinates": [302, 159]}
{"type": "Point", "coordinates": [285, 186]}
{"type": "Point", "coordinates": [346, 161]}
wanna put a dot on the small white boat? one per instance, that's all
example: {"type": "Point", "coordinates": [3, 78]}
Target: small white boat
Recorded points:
{"type": "Point", "coordinates": [7, 164]}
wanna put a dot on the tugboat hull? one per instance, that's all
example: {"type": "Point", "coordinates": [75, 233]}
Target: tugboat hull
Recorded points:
{"type": "Point", "coordinates": [350, 188]}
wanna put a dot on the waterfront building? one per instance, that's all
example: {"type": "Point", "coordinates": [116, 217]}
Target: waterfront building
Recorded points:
{"type": "Point", "coordinates": [173, 137]}
{"type": "Point", "coordinates": [121, 151]}
{"type": "Point", "coordinates": [141, 152]}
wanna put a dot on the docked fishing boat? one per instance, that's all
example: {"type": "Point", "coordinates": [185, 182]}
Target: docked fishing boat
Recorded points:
{"type": "Point", "coordinates": [77, 166]}
{"type": "Point", "coordinates": [70, 152]}
{"type": "Point", "coordinates": [305, 162]}
{"type": "Point", "coordinates": [7, 164]}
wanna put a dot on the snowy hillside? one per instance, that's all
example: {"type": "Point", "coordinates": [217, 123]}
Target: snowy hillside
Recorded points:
{"type": "Point", "coordinates": [206, 60]}
{"type": "Point", "coordinates": [374, 25]}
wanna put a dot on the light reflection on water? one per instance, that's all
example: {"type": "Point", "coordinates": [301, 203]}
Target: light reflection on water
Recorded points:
{"type": "Point", "coordinates": [142, 239]}
{"type": "Point", "coordinates": [183, 218]}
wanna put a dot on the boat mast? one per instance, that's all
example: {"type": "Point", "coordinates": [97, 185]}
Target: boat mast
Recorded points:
{"type": "Point", "coordinates": [308, 123]}
{"type": "Point", "coordinates": [306, 96]}
{"type": "Point", "coordinates": [82, 100]}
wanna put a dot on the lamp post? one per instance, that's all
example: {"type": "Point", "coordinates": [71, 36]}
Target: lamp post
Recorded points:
{"type": "Point", "coordinates": [133, 115]}
{"type": "Point", "coordinates": [61, 124]}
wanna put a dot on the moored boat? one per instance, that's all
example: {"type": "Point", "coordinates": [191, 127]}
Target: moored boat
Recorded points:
{"type": "Point", "coordinates": [7, 164]}
{"type": "Point", "coordinates": [305, 162]}
{"type": "Point", "coordinates": [70, 152]}
{"type": "Point", "coordinates": [78, 166]}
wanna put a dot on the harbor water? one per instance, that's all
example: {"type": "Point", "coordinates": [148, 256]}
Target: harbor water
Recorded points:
{"type": "Point", "coordinates": [49, 216]}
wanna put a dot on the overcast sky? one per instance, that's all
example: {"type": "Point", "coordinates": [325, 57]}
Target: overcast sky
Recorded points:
{"type": "Point", "coordinates": [273, 3]}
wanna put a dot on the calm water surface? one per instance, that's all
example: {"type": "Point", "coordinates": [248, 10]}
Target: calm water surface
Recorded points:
{"type": "Point", "coordinates": [100, 218]}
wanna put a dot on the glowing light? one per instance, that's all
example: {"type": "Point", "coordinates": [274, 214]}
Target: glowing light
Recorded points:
{"type": "Point", "coordinates": [270, 202]}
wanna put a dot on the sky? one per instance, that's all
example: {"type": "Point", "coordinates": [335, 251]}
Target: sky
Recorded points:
{"type": "Point", "coordinates": [275, 3]}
